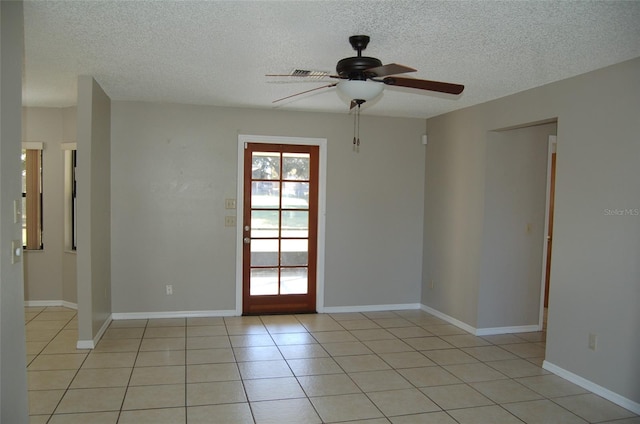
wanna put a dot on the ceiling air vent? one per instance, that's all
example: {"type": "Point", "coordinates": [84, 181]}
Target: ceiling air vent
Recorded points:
{"type": "Point", "coordinates": [308, 74]}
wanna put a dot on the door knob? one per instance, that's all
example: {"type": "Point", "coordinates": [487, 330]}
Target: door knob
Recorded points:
{"type": "Point", "coordinates": [247, 240]}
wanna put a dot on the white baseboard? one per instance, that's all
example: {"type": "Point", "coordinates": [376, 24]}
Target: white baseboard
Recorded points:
{"type": "Point", "coordinates": [70, 305]}
{"type": "Point", "coordinates": [593, 387]}
{"type": "Point", "coordinates": [507, 330]}
{"type": "Point", "coordinates": [45, 303]}
{"type": "Point", "coordinates": [173, 314]}
{"type": "Point", "coordinates": [91, 344]}
{"type": "Point", "coordinates": [369, 308]}
{"type": "Point", "coordinates": [480, 331]}
{"type": "Point", "coordinates": [451, 320]}
{"type": "Point", "coordinates": [232, 312]}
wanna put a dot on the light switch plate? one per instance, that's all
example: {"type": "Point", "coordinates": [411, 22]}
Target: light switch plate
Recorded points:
{"type": "Point", "coordinates": [229, 203]}
{"type": "Point", "coordinates": [593, 341]}
{"type": "Point", "coordinates": [229, 221]}
{"type": "Point", "coordinates": [17, 211]}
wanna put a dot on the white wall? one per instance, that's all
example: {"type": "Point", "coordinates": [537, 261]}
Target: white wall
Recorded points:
{"type": "Point", "coordinates": [94, 210]}
{"type": "Point", "coordinates": [173, 166]}
{"type": "Point", "coordinates": [50, 273]}
{"type": "Point", "coordinates": [13, 367]}
{"type": "Point", "coordinates": [594, 273]}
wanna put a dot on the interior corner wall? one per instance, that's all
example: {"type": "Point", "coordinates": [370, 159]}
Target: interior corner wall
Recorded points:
{"type": "Point", "coordinates": [594, 266]}
{"type": "Point", "coordinates": [173, 166]}
{"type": "Point", "coordinates": [94, 208]}
{"type": "Point", "coordinates": [453, 214]}
{"type": "Point", "coordinates": [46, 274]}
{"type": "Point", "coordinates": [513, 229]}
{"type": "Point", "coordinates": [13, 368]}
{"type": "Point", "coordinates": [43, 268]}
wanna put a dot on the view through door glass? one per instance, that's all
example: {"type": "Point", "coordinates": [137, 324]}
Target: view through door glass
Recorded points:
{"type": "Point", "coordinates": [280, 228]}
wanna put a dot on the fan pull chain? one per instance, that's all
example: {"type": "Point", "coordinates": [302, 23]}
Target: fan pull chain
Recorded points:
{"type": "Point", "coordinates": [356, 130]}
{"type": "Point", "coordinates": [358, 116]}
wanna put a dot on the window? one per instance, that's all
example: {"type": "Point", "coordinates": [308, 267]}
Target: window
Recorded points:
{"type": "Point", "coordinates": [74, 203]}
{"type": "Point", "coordinates": [70, 196]}
{"type": "Point", "coordinates": [32, 197]}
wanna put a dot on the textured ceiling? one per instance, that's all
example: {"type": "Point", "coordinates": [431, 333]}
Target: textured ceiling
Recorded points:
{"type": "Point", "coordinates": [218, 52]}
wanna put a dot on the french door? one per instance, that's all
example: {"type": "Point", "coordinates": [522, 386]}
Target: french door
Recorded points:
{"type": "Point", "coordinates": [279, 228]}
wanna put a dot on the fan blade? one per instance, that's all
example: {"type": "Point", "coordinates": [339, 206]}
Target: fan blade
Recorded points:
{"type": "Point", "coordinates": [442, 87]}
{"type": "Point", "coordinates": [390, 69]}
{"type": "Point", "coordinates": [307, 91]}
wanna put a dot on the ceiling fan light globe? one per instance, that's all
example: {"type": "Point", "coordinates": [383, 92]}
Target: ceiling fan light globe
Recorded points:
{"type": "Point", "coordinates": [360, 90]}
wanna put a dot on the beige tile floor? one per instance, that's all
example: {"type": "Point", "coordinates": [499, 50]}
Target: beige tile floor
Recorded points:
{"type": "Point", "coordinates": [381, 367]}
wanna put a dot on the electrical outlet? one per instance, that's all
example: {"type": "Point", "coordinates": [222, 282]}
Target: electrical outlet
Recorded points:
{"type": "Point", "coordinates": [229, 203]}
{"type": "Point", "coordinates": [593, 341]}
{"type": "Point", "coordinates": [169, 289]}
{"type": "Point", "coordinates": [229, 221]}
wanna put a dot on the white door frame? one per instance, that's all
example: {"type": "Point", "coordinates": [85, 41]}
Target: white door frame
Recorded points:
{"type": "Point", "coordinates": [551, 149]}
{"type": "Point", "coordinates": [322, 184]}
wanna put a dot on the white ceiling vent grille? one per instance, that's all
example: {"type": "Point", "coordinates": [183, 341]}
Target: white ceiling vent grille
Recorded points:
{"type": "Point", "coordinates": [308, 74]}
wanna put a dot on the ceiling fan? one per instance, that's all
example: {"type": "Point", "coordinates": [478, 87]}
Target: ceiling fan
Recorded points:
{"type": "Point", "coordinates": [363, 78]}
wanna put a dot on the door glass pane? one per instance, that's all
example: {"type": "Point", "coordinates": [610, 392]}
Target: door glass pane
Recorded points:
{"type": "Point", "coordinates": [295, 252]}
{"type": "Point", "coordinates": [295, 166]}
{"type": "Point", "coordinates": [265, 194]}
{"type": "Point", "coordinates": [264, 281]}
{"type": "Point", "coordinates": [295, 195]}
{"type": "Point", "coordinates": [264, 224]}
{"type": "Point", "coordinates": [264, 252]}
{"type": "Point", "coordinates": [294, 281]}
{"type": "Point", "coordinates": [24, 221]}
{"type": "Point", "coordinates": [295, 224]}
{"type": "Point", "coordinates": [265, 166]}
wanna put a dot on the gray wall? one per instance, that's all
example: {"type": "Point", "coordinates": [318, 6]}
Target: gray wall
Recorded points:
{"type": "Point", "coordinates": [513, 232]}
{"type": "Point", "coordinates": [94, 209]}
{"type": "Point", "coordinates": [173, 166]}
{"type": "Point", "coordinates": [13, 367]}
{"type": "Point", "coordinates": [453, 219]}
{"type": "Point", "coordinates": [50, 273]}
{"type": "Point", "coordinates": [594, 274]}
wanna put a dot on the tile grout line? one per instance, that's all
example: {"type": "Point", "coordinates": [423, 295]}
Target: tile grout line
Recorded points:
{"type": "Point", "coordinates": [244, 388]}
{"type": "Point", "coordinates": [133, 367]}
{"type": "Point", "coordinates": [66, 390]}
{"type": "Point", "coordinates": [186, 379]}
{"type": "Point", "coordinates": [52, 338]}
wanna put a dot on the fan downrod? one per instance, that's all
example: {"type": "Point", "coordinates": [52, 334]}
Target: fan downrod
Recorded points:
{"type": "Point", "coordinates": [359, 43]}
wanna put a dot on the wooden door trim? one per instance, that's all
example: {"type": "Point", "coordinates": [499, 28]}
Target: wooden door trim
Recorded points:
{"type": "Point", "coordinates": [322, 177]}
{"type": "Point", "coordinates": [289, 303]}
{"type": "Point", "coordinates": [551, 150]}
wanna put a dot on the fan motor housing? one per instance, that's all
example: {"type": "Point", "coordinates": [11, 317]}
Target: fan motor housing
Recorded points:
{"type": "Point", "coordinates": [355, 67]}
